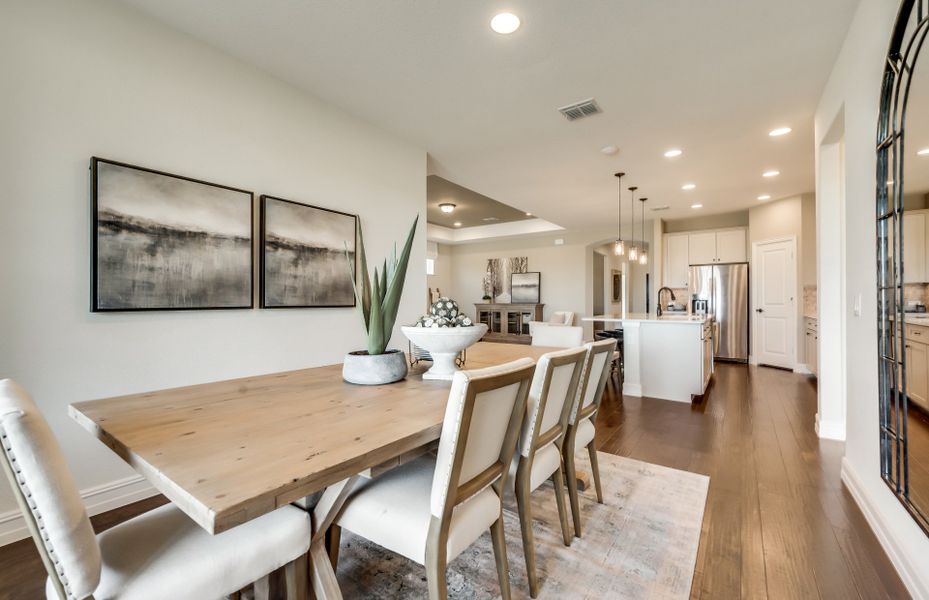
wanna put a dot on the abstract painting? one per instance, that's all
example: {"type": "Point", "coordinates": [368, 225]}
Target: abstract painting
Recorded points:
{"type": "Point", "coordinates": [303, 262]}
{"type": "Point", "coordinates": [166, 242]}
{"type": "Point", "coordinates": [526, 288]}
{"type": "Point", "coordinates": [497, 276]}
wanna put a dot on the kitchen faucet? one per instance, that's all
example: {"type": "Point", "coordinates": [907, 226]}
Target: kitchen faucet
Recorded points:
{"type": "Point", "coordinates": [673, 298]}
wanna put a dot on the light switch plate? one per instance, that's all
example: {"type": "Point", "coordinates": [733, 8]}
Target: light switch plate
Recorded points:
{"type": "Point", "coordinates": [858, 305]}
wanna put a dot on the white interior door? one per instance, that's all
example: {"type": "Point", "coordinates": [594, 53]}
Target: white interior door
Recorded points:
{"type": "Point", "coordinates": [774, 305]}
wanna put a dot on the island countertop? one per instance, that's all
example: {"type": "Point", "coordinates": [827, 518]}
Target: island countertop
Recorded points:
{"type": "Point", "coordinates": [676, 319]}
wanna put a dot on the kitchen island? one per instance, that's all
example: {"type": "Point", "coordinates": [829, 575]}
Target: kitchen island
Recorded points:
{"type": "Point", "coordinates": [668, 357]}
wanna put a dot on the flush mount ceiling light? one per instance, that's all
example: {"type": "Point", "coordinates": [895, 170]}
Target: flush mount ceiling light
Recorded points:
{"type": "Point", "coordinates": [609, 150]}
{"type": "Point", "coordinates": [528, 214]}
{"type": "Point", "coordinates": [688, 186]}
{"type": "Point", "coordinates": [780, 131]}
{"type": "Point", "coordinates": [457, 223]}
{"type": "Point", "coordinates": [505, 23]}
{"type": "Point", "coordinates": [764, 197]}
{"type": "Point", "coordinates": [674, 153]}
{"type": "Point", "coordinates": [770, 173]}
{"type": "Point", "coordinates": [447, 207]}
{"type": "Point", "coordinates": [696, 206]}
{"type": "Point", "coordinates": [923, 152]}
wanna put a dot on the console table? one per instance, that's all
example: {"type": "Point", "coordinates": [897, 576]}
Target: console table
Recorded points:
{"type": "Point", "coordinates": [507, 322]}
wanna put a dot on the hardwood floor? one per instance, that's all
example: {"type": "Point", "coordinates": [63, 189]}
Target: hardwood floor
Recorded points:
{"type": "Point", "coordinates": [778, 522]}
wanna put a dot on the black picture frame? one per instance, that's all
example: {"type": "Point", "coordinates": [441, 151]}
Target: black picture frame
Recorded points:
{"type": "Point", "coordinates": [266, 287]}
{"type": "Point", "coordinates": [101, 300]}
{"type": "Point", "coordinates": [526, 288]}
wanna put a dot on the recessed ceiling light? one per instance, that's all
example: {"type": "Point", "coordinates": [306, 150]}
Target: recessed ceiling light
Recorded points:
{"type": "Point", "coordinates": [609, 150]}
{"type": "Point", "coordinates": [688, 186]}
{"type": "Point", "coordinates": [674, 153]}
{"type": "Point", "coordinates": [696, 206]}
{"type": "Point", "coordinates": [447, 207]}
{"type": "Point", "coordinates": [770, 173]}
{"type": "Point", "coordinates": [923, 152]}
{"type": "Point", "coordinates": [505, 23]}
{"type": "Point", "coordinates": [764, 197]}
{"type": "Point", "coordinates": [528, 214]}
{"type": "Point", "coordinates": [780, 131]}
{"type": "Point", "coordinates": [457, 223]}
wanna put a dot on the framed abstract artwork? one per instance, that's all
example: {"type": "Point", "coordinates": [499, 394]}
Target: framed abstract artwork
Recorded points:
{"type": "Point", "coordinates": [526, 287]}
{"type": "Point", "coordinates": [303, 255]}
{"type": "Point", "coordinates": [167, 242]}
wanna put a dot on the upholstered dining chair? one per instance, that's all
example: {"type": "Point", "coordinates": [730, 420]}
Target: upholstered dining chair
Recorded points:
{"type": "Point", "coordinates": [557, 336]}
{"type": "Point", "coordinates": [431, 509]}
{"type": "Point", "coordinates": [160, 554]}
{"type": "Point", "coordinates": [551, 399]}
{"type": "Point", "coordinates": [581, 429]}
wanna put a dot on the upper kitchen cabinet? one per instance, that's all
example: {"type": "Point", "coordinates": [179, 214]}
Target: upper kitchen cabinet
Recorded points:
{"type": "Point", "coordinates": [682, 250]}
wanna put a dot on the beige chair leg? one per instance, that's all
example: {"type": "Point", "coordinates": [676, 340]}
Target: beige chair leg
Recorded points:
{"type": "Point", "coordinates": [335, 538]}
{"type": "Point", "coordinates": [503, 569]}
{"type": "Point", "coordinates": [435, 579]}
{"type": "Point", "coordinates": [297, 575]}
{"type": "Point", "coordinates": [523, 503]}
{"type": "Point", "coordinates": [262, 588]}
{"type": "Point", "coordinates": [595, 467]}
{"type": "Point", "coordinates": [571, 476]}
{"type": "Point", "coordinates": [558, 480]}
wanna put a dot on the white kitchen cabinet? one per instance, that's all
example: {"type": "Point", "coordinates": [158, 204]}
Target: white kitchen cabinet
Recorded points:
{"type": "Point", "coordinates": [811, 345]}
{"type": "Point", "coordinates": [914, 247]}
{"type": "Point", "coordinates": [917, 372]}
{"type": "Point", "coordinates": [730, 246]}
{"type": "Point", "coordinates": [701, 248]}
{"type": "Point", "coordinates": [677, 262]}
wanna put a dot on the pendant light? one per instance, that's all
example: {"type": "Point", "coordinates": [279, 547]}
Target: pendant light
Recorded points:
{"type": "Point", "coordinates": [633, 251]}
{"type": "Point", "coordinates": [643, 255]}
{"type": "Point", "coordinates": [619, 248]}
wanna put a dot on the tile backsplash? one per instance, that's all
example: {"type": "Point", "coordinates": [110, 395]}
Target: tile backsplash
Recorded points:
{"type": "Point", "coordinates": [809, 301]}
{"type": "Point", "coordinates": [916, 291]}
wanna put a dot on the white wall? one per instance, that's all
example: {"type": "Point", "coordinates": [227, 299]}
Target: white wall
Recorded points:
{"type": "Point", "coordinates": [442, 278]}
{"type": "Point", "coordinates": [849, 105]}
{"type": "Point", "coordinates": [96, 78]}
{"type": "Point", "coordinates": [775, 220]}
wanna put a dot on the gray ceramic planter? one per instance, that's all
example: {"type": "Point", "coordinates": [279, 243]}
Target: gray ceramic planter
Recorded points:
{"type": "Point", "coordinates": [365, 369]}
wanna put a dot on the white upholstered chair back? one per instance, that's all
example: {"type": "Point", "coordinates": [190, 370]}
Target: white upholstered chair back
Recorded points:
{"type": "Point", "coordinates": [593, 380]}
{"type": "Point", "coordinates": [47, 495]}
{"type": "Point", "coordinates": [557, 336]}
{"type": "Point", "coordinates": [479, 433]}
{"type": "Point", "coordinates": [551, 397]}
{"type": "Point", "coordinates": [562, 317]}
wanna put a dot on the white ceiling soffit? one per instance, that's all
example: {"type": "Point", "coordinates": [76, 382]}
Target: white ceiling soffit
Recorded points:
{"type": "Point", "coordinates": [446, 235]}
{"type": "Point", "coordinates": [711, 77]}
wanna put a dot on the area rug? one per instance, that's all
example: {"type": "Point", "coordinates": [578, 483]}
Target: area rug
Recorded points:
{"type": "Point", "coordinates": [641, 543]}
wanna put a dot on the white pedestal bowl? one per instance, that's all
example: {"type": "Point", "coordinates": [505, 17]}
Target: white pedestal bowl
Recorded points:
{"type": "Point", "coordinates": [444, 344]}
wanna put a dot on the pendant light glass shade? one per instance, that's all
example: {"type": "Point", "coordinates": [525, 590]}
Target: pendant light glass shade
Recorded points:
{"type": "Point", "coordinates": [619, 247]}
{"type": "Point", "coordinates": [633, 251]}
{"type": "Point", "coordinates": [643, 255]}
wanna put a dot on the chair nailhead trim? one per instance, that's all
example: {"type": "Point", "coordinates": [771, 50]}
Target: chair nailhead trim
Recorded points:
{"type": "Point", "coordinates": [8, 451]}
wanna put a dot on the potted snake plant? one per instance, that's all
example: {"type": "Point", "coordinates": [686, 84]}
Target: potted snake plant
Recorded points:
{"type": "Point", "coordinates": [378, 300]}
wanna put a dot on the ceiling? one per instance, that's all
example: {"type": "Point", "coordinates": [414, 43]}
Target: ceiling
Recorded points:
{"type": "Point", "coordinates": [471, 209]}
{"type": "Point", "coordinates": [711, 77]}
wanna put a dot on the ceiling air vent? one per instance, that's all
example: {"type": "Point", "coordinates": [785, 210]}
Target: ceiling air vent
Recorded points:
{"type": "Point", "coordinates": [579, 110]}
{"type": "Point", "coordinates": [657, 208]}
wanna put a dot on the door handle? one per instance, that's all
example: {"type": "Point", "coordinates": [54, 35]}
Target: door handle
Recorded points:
{"type": "Point", "coordinates": [759, 310]}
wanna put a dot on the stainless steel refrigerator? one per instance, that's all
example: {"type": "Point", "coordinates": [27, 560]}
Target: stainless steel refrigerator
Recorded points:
{"type": "Point", "coordinates": [724, 289]}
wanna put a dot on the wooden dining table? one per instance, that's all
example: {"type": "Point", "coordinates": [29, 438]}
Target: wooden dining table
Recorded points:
{"type": "Point", "coordinates": [230, 451]}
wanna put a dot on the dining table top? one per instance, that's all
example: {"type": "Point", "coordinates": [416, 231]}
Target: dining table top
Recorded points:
{"type": "Point", "coordinates": [230, 451]}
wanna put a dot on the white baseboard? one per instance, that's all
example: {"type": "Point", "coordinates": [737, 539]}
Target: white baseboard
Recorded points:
{"type": "Point", "coordinates": [830, 430]}
{"type": "Point", "coordinates": [802, 369]}
{"type": "Point", "coordinates": [97, 499]}
{"type": "Point", "coordinates": [632, 389]}
{"type": "Point", "coordinates": [917, 586]}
